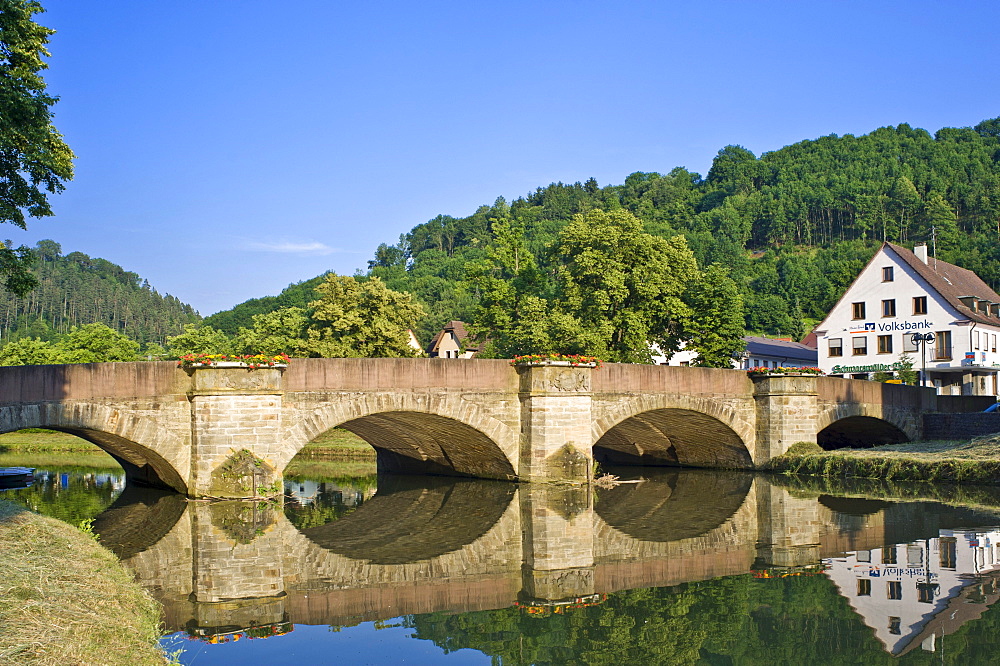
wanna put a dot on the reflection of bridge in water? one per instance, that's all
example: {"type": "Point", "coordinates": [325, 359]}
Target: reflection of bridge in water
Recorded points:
{"type": "Point", "coordinates": [457, 546]}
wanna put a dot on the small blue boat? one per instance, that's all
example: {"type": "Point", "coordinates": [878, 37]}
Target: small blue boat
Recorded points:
{"type": "Point", "coordinates": [16, 477]}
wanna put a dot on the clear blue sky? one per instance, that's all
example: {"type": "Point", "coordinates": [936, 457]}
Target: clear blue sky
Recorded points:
{"type": "Point", "coordinates": [229, 148]}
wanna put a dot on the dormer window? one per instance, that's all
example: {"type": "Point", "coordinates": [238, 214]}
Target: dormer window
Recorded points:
{"type": "Point", "coordinates": [887, 274]}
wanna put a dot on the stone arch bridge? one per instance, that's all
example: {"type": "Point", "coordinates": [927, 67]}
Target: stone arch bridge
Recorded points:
{"type": "Point", "coordinates": [231, 431]}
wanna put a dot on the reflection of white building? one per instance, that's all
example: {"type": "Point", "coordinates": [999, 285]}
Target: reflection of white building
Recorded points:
{"type": "Point", "coordinates": [900, 590]}
{"type": "Point", "coordinates": [306, 492]}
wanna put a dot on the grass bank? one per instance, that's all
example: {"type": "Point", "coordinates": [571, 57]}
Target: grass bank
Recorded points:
{"type": "Point", "coordinates": [966, 462]}
{"type": "Point", "coordinates": [334, 444]}
{"type": "Point", "coordinates": [44, 441]}
{"type": "Point", "coordinates": [339, 444]}
{"type": "Point", "coordinates": [64, 599]}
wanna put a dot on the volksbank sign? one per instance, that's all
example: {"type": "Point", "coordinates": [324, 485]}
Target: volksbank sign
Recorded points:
{"type": "Point", "coordinates": [886, 327]}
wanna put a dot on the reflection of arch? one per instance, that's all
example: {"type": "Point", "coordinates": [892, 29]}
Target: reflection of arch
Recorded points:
{"type": "Point", "coordinates": [138, 519]}
{"type": "Point", "coordinates": [411, 520]}
{"type": "Point", "coordinates": [673, 505]}
{"type": "Point", "coordinates": [134, 442]}
{"type": "Point", "coordinates": [859, 431]}
{"type": "Point", "coordinates": [853, 506]}
{"type": "Point", "coordinates": [418, 433]}
{"type": "Point", "coordinates": [675, 431]}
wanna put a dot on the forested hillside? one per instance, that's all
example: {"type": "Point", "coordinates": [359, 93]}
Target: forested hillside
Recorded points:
{"type": "Point", "coordinates": [75, 290]}
{"type": "Point", "coordinates": [792, 227]}
{"type": "Point", "coordinates": [298, 295]}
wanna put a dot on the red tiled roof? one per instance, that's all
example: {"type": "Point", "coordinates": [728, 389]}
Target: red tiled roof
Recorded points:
{"type": "Point", "coordinates": [454, 326]}
{"type": "Point", "coordinates": [952, 282]}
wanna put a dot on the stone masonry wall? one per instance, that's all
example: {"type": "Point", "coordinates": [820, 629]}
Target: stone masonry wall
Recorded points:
{"type": "Point", "coordinates": [961, 426]}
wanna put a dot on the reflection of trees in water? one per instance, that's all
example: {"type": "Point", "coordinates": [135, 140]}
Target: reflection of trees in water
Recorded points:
{"type": "Point", "coordinates": [986, 496]}
{"type": "Point", "coordinates": [74, 497]}
{"type": "Point", "coordinates": [333, 500]}
{"type": "Point", "coordinates": [411, 519]}
{"type": "Point", "coordinates": [672, 504]}
{"type": "Point", "coordinates": [736, 620]}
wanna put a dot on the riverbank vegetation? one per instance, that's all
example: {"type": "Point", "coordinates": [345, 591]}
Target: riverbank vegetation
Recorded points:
{"type": "Point", "coordinates": [984, 498]}
{"type": "Point", "coordinates": [64, 599]}
{"type": "Point", "coordinates": [967, 462]}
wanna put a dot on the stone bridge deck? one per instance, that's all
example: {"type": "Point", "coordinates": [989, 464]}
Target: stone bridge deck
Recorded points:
{"type": "Point", "coordinates": [231, 431]}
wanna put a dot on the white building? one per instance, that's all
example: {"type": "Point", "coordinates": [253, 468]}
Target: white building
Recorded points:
{"type": "Point", "coordinates": [760, 353]}
{"type": "Point", "coordinates": [900, 293]}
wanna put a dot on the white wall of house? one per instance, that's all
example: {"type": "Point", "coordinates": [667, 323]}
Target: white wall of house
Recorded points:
{"type": "Point", "coordinates": [963, 358]}
{"type": "Point", "coordinates": [752, 359]}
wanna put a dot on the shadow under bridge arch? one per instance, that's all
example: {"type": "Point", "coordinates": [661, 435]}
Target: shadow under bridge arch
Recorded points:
{"type": "Point", "coordinates": [860, 432]}
{"type": "Point", "coordinates": [673, 437]}
{"type": "Point", "coordinates": [421, 443]}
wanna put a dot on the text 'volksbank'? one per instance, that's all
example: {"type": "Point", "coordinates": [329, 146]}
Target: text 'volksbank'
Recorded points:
{"type": "Point", "coordinates": [899, 326]}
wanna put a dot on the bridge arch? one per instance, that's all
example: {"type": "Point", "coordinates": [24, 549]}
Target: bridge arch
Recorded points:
{"type": "Point", "coordinates": [415, 433]}
{"type": "Point", "coordinates": [861, 425]}
{"type": "Point", "coordinates": [676, 431]}
{"type": "Point", "coordinates": [148, 453]}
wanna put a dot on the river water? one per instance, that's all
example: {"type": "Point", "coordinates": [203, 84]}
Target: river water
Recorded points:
{"type": "Point", "coordinates": [677, 567]}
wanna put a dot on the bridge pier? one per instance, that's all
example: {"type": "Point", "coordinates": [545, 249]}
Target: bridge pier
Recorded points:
{"type": "Point", "coordinates": [555, 423]}
{"type": "Point", "coordinates": [787, 412]}
{"type": "Point", "coordinates": [235, 422]}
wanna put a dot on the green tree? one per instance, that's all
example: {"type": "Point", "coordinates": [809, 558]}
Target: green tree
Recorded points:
{"type": "Point", "coordinates": [361, 318]}
{"type": "Point", "coordinates": [622, 285]}
{"type": "Point", "coordinates": [905, 371]}
{"type": "Point", "coordinates": [940, 224]}
{"type": "Point", "coordinates": [34, 159]}
{"type": "Point", "coordinates": [716, 325]}
{"type": "Point", "coordinates": [28, 351]}
{"type": "Point", "coordinates": [152, 351]}
{"type": "Point", "coordinates": [511, 317]}
{"type": "Point", "coordinates": [198, 339]}
{"type": "Point", "coordinates": [280, 332]}
{"type": "Point", "coordinates": [96, 343]}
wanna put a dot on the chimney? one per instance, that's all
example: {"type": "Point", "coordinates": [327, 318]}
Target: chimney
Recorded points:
{"type": "Point", "coordinates": [921, 251]}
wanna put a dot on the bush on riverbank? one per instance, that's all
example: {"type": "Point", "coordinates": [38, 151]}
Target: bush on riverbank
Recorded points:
{"type": "Point", "coordinates": [64, 599]}
{"type": "Point", "coordinates": [976, 461]}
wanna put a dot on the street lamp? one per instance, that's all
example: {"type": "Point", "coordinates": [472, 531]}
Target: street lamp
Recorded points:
{"type": "Point", "coordinates": [921, 340]}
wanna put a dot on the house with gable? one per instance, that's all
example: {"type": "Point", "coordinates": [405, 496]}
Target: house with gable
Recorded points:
{"type": "Point", "coordinates": [900, 293]}
{"type": "Point", "coordinates": [450, 342]}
